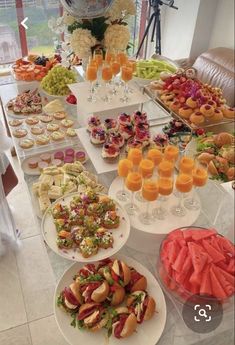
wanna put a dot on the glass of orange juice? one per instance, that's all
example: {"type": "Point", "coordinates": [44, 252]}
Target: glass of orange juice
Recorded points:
{"type": "Point", "coordinates": [200, 177]}
{"type": "Point", "coordinates": [133, 183]}
{"type": "Point", "coordinates": [107, 77]}
{"type": "Point", "coordinates": [149, 194]}
{"type": "Point", "coordinates": [91, 76]}
{"type": "Point", "coordinates": [126, 76]}
{"type": "Point", "coordinates": [146, 167]}
{"type": "Point", "coordinates": [184, 184]}
{"type": "Point", "coordinates": [135, 155]}
{"type": "Point", "coordinates": [124, 167]}
{"type": "Point", "coordinates": [98, 58]}
{"type": "Point", "coordinates": [171, 153]}
{"type": "Point", "coordinates": [122, 57]}
{"type": "Point", "coordinates": [109, 56]}
{"type": "Point", "coordinates": [165, 188]}
{"type": "Point", "coordinates": [115, 65]}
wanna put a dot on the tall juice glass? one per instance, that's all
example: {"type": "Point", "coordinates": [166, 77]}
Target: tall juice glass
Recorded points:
{"type": "Point", "coordinates": [91, 76]}
{"type": "Point", "coordinates": [126, 76]}
{"type": "Point", "coordinates": [155, 156]}
{"type": "Point", "coordinates": [186, 165]}
{"type": "Point", "coordinates": [184, 184]}
{"type": "Point", "coordinates": [115, 66]}
{"type": "Point", "coordinates": [165, 168]}
{"type": "Point", "coordinates": [134, 184]}
{"type": "Point", "coordinates": [122, 57]}
{"type": "Point", "coordinates": [107, 77]}
{"type": "Point", "coordinates": [171, 153]}
{"type": "Point", "coordinates": [135, 155]}
{"type": "Point", "coordinates": [149, 193]}
{"type": "Point", "coordinates": [124, 167]}
{"type": "Point", "coordinates": [145, 169]}
{"type": "Point", "coordinates": [109, 56]}
{"type": "Point", "coordinates": [165, 188]}
{"type": "Point", "coordinates": [98, 57]}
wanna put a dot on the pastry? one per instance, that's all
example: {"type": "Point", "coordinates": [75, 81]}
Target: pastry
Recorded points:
{"type": "Point", "coordinates": [223, 138]}
{"type": "Point", "coordinates": [71, 132]}
{"type": "Point", "coordinates": [67, 123]}
{"type": "Point", "coordinates": [111, 220]}
{"type": "Point", "coordinates": [20, 133]}
{"type": "Point", "coordinates": [135, 303]}
{"type": "Point", "coordinates": [57, 136]}
{"type": "Point", "coordinates": [68, 159]}
{"type": "Point", "coordinates": [207, 110]}
{"type": "Point", "coordinates": [80, 156]}
{"type": "Point", "coordinates": [28, 102]}
{"type": "Point", "coordinates": [46, 157]}
{"type": "Point", "coordinates": [127, 131]}
{"type": "Point", "coordinates": [192, 102]}
{"type": "Point", "coordinates": [124, 119]}
{"type": "Point", "coordinates": [159, 141]}
{"type": "Point", "coordinates": [174, 106]}
{"type": "Point", "coordinates": [97, 136]}
{"type": "Point", "coordinates": [15, 123]}
{"type": "Point", "coordinates": [94, 121]}
{"type": "Point", "coordinates": [60, 115]}
{"type": "Point", "coordinates": [32, 120]}
{"type": "Point", "coordinates": [218, 116]}
{"type": "Point", "coordinates": [59, 155]}
{"type": "Point", "coordinates": [110, 125]}
{"type": "Point", "coordinates": [229, 113]}
{"type": "Point", "coordinates": [168, 96]}
{"type": "Point", "coordinates": [143, 136]}
{"type": "Point", "coordinates": [110, 152]}
{"type": "Point", "coordinates": [52, 127]}
{"type": "Point", "coordinates": [116, 139]}
{"type": "Point", "coordinates": [133, 143]}
{"type": "Point", "coordinates": [37, 130]}
{"type": "Point", "coordinates": [42, 139]}
{"type": "Point", "coordinates": [88, 247]}
{"type": "Point", "coordinates": [139, 118]}
{"type": "Point", "coordinates": [197, 118]}
{"type": "Point", "coordinates": [57, 163]}
{"type": "Point", "coordinates": [45, 118]}
{"type": "Point", "coordinates": [70, 152]}
{"type": "Point", "coordinates": [212, 103]}
{"type": "Point", "coordinates": [26, 143]}
{"type": "Point", "coordinates": [138, 282]}
{"type": "Point", "coordinates": [42, 165]}
{"type": "Point", "coordinates": [33, 163]}
{"type": "Point", "coordinates": [185, 112]}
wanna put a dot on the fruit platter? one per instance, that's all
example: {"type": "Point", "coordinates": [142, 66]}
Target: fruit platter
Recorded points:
{"type": "Point", "coordinates": [85, 226]}
{"type": "Point", "coordinates": [33, 67]}
{"type": "Point", "coordinates": [131, 306]}
{"type": "Point", "coordinates": [197, 261]}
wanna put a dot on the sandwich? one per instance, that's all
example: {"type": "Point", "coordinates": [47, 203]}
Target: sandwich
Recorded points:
{"type": "Point", "coordinates": [116, 271]}
{"type": "Point", "coordinates": [92, 316]}
{"type": "Point", "coordinates": [137, 282]}
{"type": "Point", "coordinates": [124, 323]}
{"type": "Point", "coordinates": [70, 298]}
{"type": "Point", "coordinates": [142, 305]}
{"type": "Point", "coordinates": [93, 288]}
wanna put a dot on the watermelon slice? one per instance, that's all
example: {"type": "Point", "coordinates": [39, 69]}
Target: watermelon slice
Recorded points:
{"type": "Point", "coordinates": [222, 265]}
{"type": "Point", "coordinates": [205, 288]}
{"type": "Point", "coordinates": [198, 255]}
{"type": "Point", "coordinates": [228, 288]}
{"type": "Point", "coordinates": [178, 264]}
{"type": "Point", "coordinates": [214, 243]}
{"type": "Point", "coordinates": [213, 253]}
{"type": "Point", "coordinates": [227, 275]}
{"type": "Point", "coordinates": [194, 289]}
{"type": "Point", "coordinates": [231, 266]}
{"type": "Point", "coordinates": [175, 234]}
{"type": "Point", "coordinates": [226, 246]}
{"type": "Point", "coordinates": [217, 289]}
{"type": "Point", "coordinates": [198, 235]}
{"type": "Point", "coordinates": [195, 278]}
{"type": "Point", "coordinates": [173, 251]}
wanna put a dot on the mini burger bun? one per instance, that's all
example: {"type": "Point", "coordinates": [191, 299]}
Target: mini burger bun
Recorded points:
{"type": "Point", "coordinates": [126, 273]}
{"type": "Point", "coordinates": [205, 157]}
{"type": "Point", "coordinates": [231, 174]}
{"type": "Point", "coordinates": [86, 306]}
{"type": "Point", "coordinates": [75, 288]}
{"type": "Point", "coordinates": [223, 138]}
{"type": "Point", "coordinates": [118, 295]}
{"type": "Point", "coordinates": [212, 169]}
{"type": "Point", "coordinates": [129, 326]}
{"type": "Point", "coordinates": [150, 310]}
{"type": "Point", "coordinates": [101, 293]}
{"type": "Point", "coordinates": [140, 285]}
{"type": "Point", "coordinates": [100, 324]}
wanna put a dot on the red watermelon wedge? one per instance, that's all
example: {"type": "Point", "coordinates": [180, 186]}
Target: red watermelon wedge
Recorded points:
{"type": "Point", "coordinates": [195, 278]}
{"type": "Point", "coordinates": [226, 246]}
{"type": "Point", "coordinates": [231, 266]}
{"type": "Point", "coordinates": [178, 264]}
{"type": "Point", "coordinates": [175, 235]}
{"type": "Point", "coordinates": [213, 253]}
{"type": "Point", "coordinates": [217, 289]}
{"type": "Point", "coordinates": [198, 255]}
{"type": "Point", "coordinates": [228, 288]}
{"type": "Point", "coordinates": [199, 235]}
{"type": "Point", "coordinates": [227, 275]}
{"type": "Point", "coordinates": [173, 251]}
{"type": "Point", "coordinates": [205, 288]}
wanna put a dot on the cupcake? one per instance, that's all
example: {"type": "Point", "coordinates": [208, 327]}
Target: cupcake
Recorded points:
{"type": "Point", "coordinates": [133, 143]}
{"type": "Point", "coordinates": [159, 140]}
{"type": "Point", "coordinates": [124, 119]}
{"type": "Point", "coordinates": [98, 136]}
{"type": "Point", "coordinates": [94, 121]}
{"type": "Point", "coordinates": [143, 136]}
{"type": "Point", "coordinates": [110, 152]}
{"type": "Point", "coordinates": [138, 117]}
{"type": "Point", "coordinates": [110, 125]}
{"type": "Point", "coordinates": [80, 156]}
{"type": "Point", "coordinates": [116, 139]}
{"type": "Point", "coordinates": [127, 131]}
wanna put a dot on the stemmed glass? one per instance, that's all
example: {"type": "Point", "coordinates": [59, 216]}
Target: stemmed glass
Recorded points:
{"type": "Point", "coordinates": [200, 177]}
{"type": "Point", "coordinates": [107, 77]}
{"type": "Point", "coordinates": [135, 155]}
{"type": "Point", "coordinates": [115, 66]}
{"type": "Point", "coordinates": [184, 184]}
{"type": "Point", "coordinates": [149, 193]}
{"type": "Point", "coordinates": [98, 58]}
{"type": "Point", "coordinates": [122, 57]}
{"type": "Point", "coordinates": [186, 165]}
{"type": "Point", "coordinates": [165, 188]}
{"type": "Point", "coordinates": [146, 168]}
{"type": "Point", "coordinates": [126, 75]}
{"type": "Point", "coordinates": [124, 167]}
{"type": "Point", "coordinates": [109, 56]}
{"type": "Point", "coordinates": [165, 169]}
{"type": "Point", "coordinates": [134, 184]}
{"type": "Point", "coordinates": [91, 76]}
{"type": "Point", "coordinates": [155, 156]}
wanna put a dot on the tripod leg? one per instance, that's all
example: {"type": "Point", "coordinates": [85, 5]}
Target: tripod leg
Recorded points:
{"type": "Point", "coordinates": [158, 34]}
{"type": "Point", "coordinates": [154, 29]}
{"type": "Point", "coordinates": [145, 34]}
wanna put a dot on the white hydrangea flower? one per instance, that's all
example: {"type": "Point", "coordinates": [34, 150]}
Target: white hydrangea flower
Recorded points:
{"type": "Point", "coordinates": [68, 19]}
{"type": "Point", "coordinates": [56, 25]}
{"type": "Point", "coordinates": [81, 42]}
{"type": "Point", "coordinates": [121, 9]}
{"type": "Point", "coordinates": [117, 37]}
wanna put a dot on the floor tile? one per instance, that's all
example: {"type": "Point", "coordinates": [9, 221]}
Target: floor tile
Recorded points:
{"type": "Point", "coordinates": [12, 310]}
{"type": "Point", "coordinates": [36, 277]}
{"type": "Point", "coordinates": [16, 336]}
{"type": "Point", "coordinates": [46, 332]}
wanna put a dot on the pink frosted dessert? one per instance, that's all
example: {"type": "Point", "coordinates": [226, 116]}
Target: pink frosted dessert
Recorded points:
{"type": "Point", "coordinates": [59, 155]}
{"type": "Point", "coordinates": [80, 156]}
{"type": "Point", "coordinates": [142, 135]}
{"type": "Point", "coordinates": [124, 119]}
{"type": "Point", "coordinates": [94, 121]}
{"type": "Point", "coordinates": [68, 159]}
{"type": "Point", "coordinates": [98, 136]}
{"type": "Point", "coordinates": [70, 152]}
{"type": "Point", "coordinates": [138, 117]}
{"type": "Point", "coordinates": [110, 125]}
{"type": "Point", "coordinates": [127, 131]}
{"type": "Point", "coordinates": [116, 139]}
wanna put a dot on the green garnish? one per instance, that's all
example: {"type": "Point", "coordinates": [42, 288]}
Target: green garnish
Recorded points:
{"type": "Point", "coordinates": [91, 278]}
{"type": "Point", "coordinates": [59, 301]}
{"type": "Point", "coordinates": [74, 321]}
{"type": "Point", "coordinates": [121, 282]}
{"type": "Point", "coordinates": [138, 298]}
{"type": "Point", "coordinates": [80, 324]}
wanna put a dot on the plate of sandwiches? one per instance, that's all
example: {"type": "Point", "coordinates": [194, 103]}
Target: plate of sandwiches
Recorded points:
{"type": "Point", "coordinates": [85, 226]}
{"type": "Point", "coordinates": [115, 301]}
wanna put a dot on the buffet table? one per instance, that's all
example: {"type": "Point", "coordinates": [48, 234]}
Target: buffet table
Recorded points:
{"type": "Point", "coordinates": [216, 211]}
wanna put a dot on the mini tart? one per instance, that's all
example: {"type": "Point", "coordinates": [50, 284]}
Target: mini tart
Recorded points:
{"type": "Point", "coordinates": [174, 106]}
{"type": "Point", "coordinates": [94, 121]}
{"type": "Point", "coordinates": [46, 157]}
{"type": "Point", "coordinates": [116, 139]}
{"type": "Point", "coordinates": [60, 115]}
{"type": "Point", "coordinates": [139, 118]}
{"type": "Point", "coordinates": [207, 110]}
{"type": "Point", "coordinates": [124, 119]}
{"type": "Point", "coordinates": [110, 151]}
{"type": "Point", "coordinates": [212, 103]}
{"type": "Point", "coordinates": [133, 143]}
{"type": "Point", "coordinates": [192, 102]}
{"type": "Point", "coordinates": [159, 140]}
{"type": "Point", "coordinates": [111, 220]}
{"type": "Point", "coordinates": [98, 136]}
{"type": "Point", "coordinates": [143, 136]}
{"type": "Point", "coordinates": [46, 118]}
{"type": "Point", "coordinates": [110, 125]}
{"type": "Point", "coordinates": [52, 127]}
{"type": "Point", "coordinates": [71, 133]}
{"type": "Point", "coordinates": [20, 133]}
{"type": "Point", "coordinates": [229, 113]}
{"type": "Point", "coordinates": [33, 163]}
{"type": "Point", "coordinates": [42, 139]}
{"type": "Point", "coordinates": [37, 130]}
{"type": "Point", "coordinates": [218, 116]}
{"type": "Point", "coordinates": [67, 123]}
{"type": "Point", "coordinates": [169, 96]}
{"type": "Point", "coordinates": [127, 131]}
{"type": "Point", "coordinates": [197, 118]}
{"type": "Point", "coordinates": [185, 112]}
{"type": "Point", "coordinates": [26, 143]}
{"type": "Point", "coordinates": [31, 121]}
{"type": "Point", "coordinates": [15, 123]}
{"type": "Point", "coordinates": [57, 136]}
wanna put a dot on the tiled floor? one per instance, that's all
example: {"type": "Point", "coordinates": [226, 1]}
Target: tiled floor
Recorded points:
{"type": "Point", "coordinates": [26, 281]}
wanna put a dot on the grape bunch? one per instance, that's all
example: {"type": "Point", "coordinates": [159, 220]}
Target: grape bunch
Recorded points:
{"type": "Point", "coordinates": [57, 80]}
{"type": "Point", "coordinates": [41, 60]}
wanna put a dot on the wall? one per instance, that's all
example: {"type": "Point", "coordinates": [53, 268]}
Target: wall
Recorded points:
{"type": "Point", "coordinates": [222, 34]}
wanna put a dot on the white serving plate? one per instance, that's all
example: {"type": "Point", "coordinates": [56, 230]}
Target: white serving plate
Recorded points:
{"type": "Point", "coordinates": [35, 172]}
{"type": "Point", "coordinates": [120, 234]}
{"type": "Point", "coordinates": [148, 333]}
{"type": "Point", "coordinates": [159, 227]}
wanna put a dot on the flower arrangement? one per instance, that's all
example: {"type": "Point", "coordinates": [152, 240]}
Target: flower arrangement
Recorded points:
{"type": "Point", "coordinates": [109, 32]}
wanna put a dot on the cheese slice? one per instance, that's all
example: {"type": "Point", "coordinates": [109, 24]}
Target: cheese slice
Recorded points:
{"type": "Point", "coordinates": [54, 107]}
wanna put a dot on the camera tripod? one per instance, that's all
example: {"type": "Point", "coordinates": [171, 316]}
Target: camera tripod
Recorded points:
{"type": "Point", "coordinates": [155, 19]}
